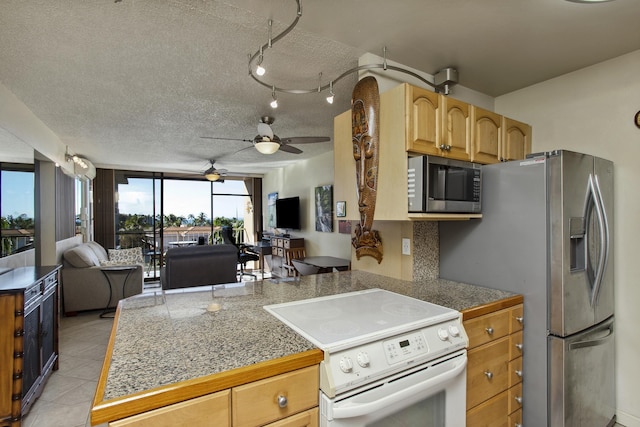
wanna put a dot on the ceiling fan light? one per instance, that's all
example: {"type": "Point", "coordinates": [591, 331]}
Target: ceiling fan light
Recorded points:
{"type": "Point", "coordinates": [212, 176]}
{"type": "Point", "coordinates": [267, 147]}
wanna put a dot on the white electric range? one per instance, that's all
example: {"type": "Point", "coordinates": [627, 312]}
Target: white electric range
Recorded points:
{"type": "Point", "coordinates": [383, 354]}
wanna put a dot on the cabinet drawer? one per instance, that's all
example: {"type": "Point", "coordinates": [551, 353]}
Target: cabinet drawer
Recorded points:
{"type": "Point", "coordinates": [515, 419]}
{"type": "Point", "coordinates": [308, 418]}
{"type": "Point", "coordinates": [492, 413]}
{"type": "Point", "coordinates": [515, 371]}
{"type": "Point", "coordinates": [515, 346]}
{"type": "Point", "coordinates": [257, 403]}
{"type": "Point", "coordinates": [278, 242]}
{"type": "Point", "coordinates": [515, 398]}
{"type": "Point", "coordinates": [517, 318]}
{"type": "Point", "coordinates": [281, 252]}
{"type": "Point", "coordinates": [486, 328]}
{"type": "Point", "coordinates": [206, 411]}
{"type": "Point", "coordinates": [487, 371]}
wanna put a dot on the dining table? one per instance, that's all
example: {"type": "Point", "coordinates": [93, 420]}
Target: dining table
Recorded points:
{"type": "Point", "coordinates": [328, 263]}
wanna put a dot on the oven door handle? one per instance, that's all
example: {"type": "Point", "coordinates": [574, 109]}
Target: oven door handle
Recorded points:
{"type": "Point", "coordinates": [435, 383]}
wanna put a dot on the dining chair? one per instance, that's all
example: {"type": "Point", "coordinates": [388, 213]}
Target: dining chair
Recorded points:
{"type": "Point", "coordinates": [291, 254]}
{"type": "Point", "coordinates": [243, 255]}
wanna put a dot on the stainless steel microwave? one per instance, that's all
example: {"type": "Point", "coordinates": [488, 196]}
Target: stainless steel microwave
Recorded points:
{"type": "Point", "coordinates": [437, 184]}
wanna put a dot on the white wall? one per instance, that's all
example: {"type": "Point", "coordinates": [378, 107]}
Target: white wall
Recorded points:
{"type": "Point", "coordinates": [300, 179]}
{"type": "Point", "coordinates": [592, 111]}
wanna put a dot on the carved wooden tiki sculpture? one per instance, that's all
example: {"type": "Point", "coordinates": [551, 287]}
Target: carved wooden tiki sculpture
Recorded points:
{"type": "Point", "coordinates": [365, 119]}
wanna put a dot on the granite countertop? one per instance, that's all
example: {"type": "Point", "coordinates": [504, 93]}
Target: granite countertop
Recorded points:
{"type": "Point", "coordinates": [165, 338]}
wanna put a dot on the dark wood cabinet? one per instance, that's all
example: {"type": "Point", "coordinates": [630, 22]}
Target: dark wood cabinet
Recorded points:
{"type": "Point", "coordinates": [29, 321]}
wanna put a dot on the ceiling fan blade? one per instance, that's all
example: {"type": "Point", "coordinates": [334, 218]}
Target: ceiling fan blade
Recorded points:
{"type": "Point", "coordinates": [290, 149]}
{"type": "Point", "coordinates": [226, 139]}
{"type": "Point", "coordinates": [304, 139]}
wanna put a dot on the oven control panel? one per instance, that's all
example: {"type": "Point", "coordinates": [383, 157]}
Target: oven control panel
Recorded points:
{"type": "Point", "coordinates": [350, 368]}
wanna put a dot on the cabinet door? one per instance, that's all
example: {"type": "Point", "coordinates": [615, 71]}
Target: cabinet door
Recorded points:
{"type": "Point", "coordinates": [207, 411]}
{"type": "Point", "coordinates": [308, 418]}
{"type": "Point", "coordinates": [424, 126]}
{"type": "Point", "coordinates": [49, 318]}
{"type": "Point", "coordinates": [7, 331]}
{"type": "Point", "coordinates": [492, 413]}
{"type": "Point", "coordinates": [456, 137]}
{"type": "Point", "coordinates": [487, 136]}
{"type": "Point", "coordinates": [487, 371]}
{"type": "Point", "coordinates": [275, 398]}
{"type": "Point", "coordinates": [516, 140]}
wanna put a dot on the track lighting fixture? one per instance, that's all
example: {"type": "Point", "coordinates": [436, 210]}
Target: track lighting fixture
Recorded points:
{"type": "Point", "coordinates": [258, 57]}
{"type": "Point", "coordinates": [331, 94]}
{"type": "Point", "coordinates": [260, 69]}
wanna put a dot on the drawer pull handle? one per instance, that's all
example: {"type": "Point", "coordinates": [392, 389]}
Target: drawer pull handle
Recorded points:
{"type": "Point", "coordinates": [488, 374]}
{"type": "Point", "coordinates": [489, 330]}
{"type": "Point", "coordinates": [282, 401]}
{"type": "Point", "coordinates": [520, 319]}
{"type": "Point", "coordinates": [519, 346]}
{"type": "Point", "coordinates": [519, 399]}
{"type": "Point", "coordinates": [519, 373]}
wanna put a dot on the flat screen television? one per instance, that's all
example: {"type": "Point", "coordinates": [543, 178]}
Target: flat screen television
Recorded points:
{"type": "Point", "coordinates": [288, 213]}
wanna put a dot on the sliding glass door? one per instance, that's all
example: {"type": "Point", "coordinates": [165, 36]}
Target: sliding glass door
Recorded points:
{"type": "Point", "coordinates": [157, 212]}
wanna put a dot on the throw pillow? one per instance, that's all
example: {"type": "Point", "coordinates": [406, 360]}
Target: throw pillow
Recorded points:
{"type": "Point", "coordinates": [125, 256]}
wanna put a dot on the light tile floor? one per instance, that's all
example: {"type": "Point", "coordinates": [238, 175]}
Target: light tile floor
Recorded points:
{"type": "Point", "coordinates": [68, 394]}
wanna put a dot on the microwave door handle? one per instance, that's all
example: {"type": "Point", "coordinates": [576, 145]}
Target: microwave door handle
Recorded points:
{"type": "Point", "coordinates": [359, 409]}
{"type": "Point", "coordinates": [442, 184]}
{"type": "Point", "coordinates": [603, 228]}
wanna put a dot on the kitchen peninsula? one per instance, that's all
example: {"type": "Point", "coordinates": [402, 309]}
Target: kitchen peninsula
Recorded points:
{"type": "Point", "coordinates": [184, 345]}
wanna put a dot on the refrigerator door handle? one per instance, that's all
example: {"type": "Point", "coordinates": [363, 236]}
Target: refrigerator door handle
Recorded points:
{"type": "Point", "coordinates": [603, 226]}
{"type": "Point", "coordinates": [593, 342]}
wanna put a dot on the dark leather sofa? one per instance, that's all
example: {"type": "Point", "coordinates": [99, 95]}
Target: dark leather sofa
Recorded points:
{"type": "Point", "coordinates": [199, 265]}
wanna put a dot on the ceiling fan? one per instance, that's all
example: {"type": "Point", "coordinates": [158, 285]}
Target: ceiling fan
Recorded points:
{"type": "Point", "coordinates": [266, 142]}
{"type": "Point", "coordinates": [214, 174]}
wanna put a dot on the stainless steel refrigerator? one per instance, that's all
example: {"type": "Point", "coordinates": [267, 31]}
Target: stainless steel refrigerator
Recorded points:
{"type": "Point", "coordinates": [547, 232]}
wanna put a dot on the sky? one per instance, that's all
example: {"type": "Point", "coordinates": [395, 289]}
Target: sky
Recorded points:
{"type": "Point", "coordinates": [17, 194]}
{"type": "Point", "coordinates": [182, 198]}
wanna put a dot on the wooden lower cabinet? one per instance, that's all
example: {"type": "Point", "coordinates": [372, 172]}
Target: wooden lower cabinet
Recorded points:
{"type": "Point", "coordinates": [206, 411]}
{"type": "Point", "coordinates": [308, 418]}
{"type": "Point", "coordinates": [494, 369]}
{"type": "Point", "coordinates": [285, 400]}
{"type": "Point", "coordinates": [272, 399]}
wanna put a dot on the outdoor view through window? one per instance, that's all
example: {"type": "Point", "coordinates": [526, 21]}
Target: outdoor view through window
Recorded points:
{"type": "Point", "coordinates": [192, 212]}
{"type": "Point", "coordinates": [17, 203]}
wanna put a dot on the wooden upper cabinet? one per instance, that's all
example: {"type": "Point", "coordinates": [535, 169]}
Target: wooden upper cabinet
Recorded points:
{"type": "Point", "coordinates": [487, 136]}
{"type": "Point", "coordinates": [456, 135]}
{"type": "Point", "coordinates": [516, 139]}
{"type": "Point", "coordinates": [424, 120]}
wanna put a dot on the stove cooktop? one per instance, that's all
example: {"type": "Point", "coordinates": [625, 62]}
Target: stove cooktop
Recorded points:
{"type": "Point", "coordinates": [347, 320]}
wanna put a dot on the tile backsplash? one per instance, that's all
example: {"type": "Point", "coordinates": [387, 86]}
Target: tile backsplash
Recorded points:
{"type": "Point", "coordinates": [426, 250]}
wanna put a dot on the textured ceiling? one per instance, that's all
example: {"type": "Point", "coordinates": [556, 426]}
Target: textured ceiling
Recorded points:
{"type": "Point", "coordinates": [135, 84]}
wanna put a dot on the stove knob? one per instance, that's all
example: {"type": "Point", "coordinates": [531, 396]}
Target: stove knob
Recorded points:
{"type": "Point", "coordinates": [346, 365]}
{"type": "Point", "coordinates": [454, 331]}
{"type": "Point", "coordinates": [443, 334]}
{"type": "Point", "coordinates": [363, 359]}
